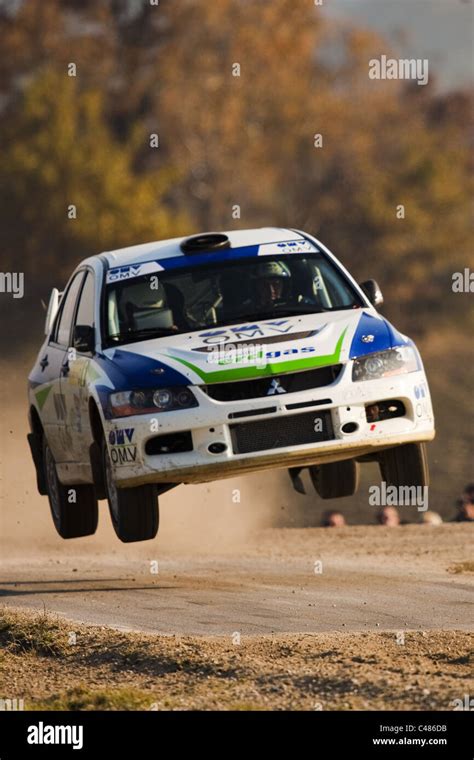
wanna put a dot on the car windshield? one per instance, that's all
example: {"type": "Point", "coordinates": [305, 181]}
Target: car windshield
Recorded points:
{"type": "Point", "coordinates": [186, 299]}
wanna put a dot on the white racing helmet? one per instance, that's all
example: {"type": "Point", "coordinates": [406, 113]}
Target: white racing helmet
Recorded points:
{"type": "Point", "coordinates": [269, 269]}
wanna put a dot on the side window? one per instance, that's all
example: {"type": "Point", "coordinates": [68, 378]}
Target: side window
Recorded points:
{"type": "Point", "coordinates": [85, 312]}
{"type": "Point", "coordinates": [63, 329]}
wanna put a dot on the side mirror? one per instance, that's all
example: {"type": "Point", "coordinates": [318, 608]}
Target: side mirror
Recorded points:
{"type": "Point", "coordinates": [84, 338]}
{"type": "Point", "coordinates": [373, 292]}
{"type": "Point", "coordinates": [53, 307]}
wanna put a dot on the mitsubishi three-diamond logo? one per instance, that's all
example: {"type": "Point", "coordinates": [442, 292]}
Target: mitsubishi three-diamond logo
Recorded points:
{"type": "Point", "coordinates": [275, 387]}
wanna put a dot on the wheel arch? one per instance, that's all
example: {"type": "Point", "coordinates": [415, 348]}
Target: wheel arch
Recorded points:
{"type": "Point", "coordinates": [95, 449]}
{"type": "Point", "coordinates": [95, 419]}
{"type": "Point", "coordinates": [35, 442]}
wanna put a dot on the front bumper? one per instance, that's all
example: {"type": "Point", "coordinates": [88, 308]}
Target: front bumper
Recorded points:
{"type": "Point", "coordinates": [211, 422]}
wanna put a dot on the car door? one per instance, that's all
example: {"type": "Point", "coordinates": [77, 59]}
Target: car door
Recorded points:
{"type": "Point", "coordinates": [49, 397]}
{"type": "Point", "coordinates": [74, 377]}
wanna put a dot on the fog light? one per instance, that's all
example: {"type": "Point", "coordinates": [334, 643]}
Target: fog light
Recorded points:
{"type": "Point", "coordinates": [385, 410]}
{"type": "Point", "coordinates": [217, 448]}
{"type": "Point", "coordinates": [349, 427]}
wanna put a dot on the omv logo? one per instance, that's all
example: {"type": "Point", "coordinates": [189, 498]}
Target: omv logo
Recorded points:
{"type": "Point", "coordinates": [123, 273]}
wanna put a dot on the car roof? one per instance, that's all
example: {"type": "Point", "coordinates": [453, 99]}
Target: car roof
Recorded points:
{"type": "Point", "coordinates": [164, 249]}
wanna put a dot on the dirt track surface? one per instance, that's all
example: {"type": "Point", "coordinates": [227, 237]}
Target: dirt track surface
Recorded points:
{"type": "Point", "coordinates": [281, 581]}
{"type": "Point", "coordinates": [254, 617]}
{"type": "Point", "coordinates": [98, 668]}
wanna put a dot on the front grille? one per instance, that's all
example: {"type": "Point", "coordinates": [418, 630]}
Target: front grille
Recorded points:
{"type": "Point", "coordinates": [265, 386]}
{"type": "Point", "coordinates": [277, 433]}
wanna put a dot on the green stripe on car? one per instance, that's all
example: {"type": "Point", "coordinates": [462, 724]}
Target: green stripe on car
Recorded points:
{"type": "Point", "coordinates": [249, 373]}
{"type": "Point", "coordinates": [42, 395]}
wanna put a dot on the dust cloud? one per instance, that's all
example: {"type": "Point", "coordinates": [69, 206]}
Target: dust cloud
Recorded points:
{"type": "Point", "coordinates": [218, 516]}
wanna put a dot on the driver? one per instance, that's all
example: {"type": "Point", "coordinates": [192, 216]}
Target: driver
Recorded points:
{"type": "Point", "coordinates": [272, 285]}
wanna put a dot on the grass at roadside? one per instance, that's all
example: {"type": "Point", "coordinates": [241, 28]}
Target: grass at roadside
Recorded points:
{"type": "Point", "coordinates": [54, 664]}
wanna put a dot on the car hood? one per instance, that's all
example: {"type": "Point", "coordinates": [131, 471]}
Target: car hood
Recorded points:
{"type": "Point", "coordinates": [250, 349]}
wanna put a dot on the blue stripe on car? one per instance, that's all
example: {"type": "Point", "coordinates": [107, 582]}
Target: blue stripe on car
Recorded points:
{"type": "Point", "coordinates": [383, 334]}
{"type": "Point", "coordinates": [128, 371]}
{"type": "Point", "coordinates": [396, 338]}
{"type": "Point", "coordinates": [131, 371]}
{"type": "Point", "coordinates": [214, 257]}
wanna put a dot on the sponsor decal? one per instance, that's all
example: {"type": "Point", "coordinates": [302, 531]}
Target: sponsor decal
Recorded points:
{"type": "Point", "coordinates": [123, 454]}
{"type": "Point", "coordinates": [420, 390]}
{"type": "Point", "coordinates": [117, 274]}
{"type": "Point", "coordinates": [59, 406]}
{"type": "Point", "coordinates": [122, 448]}
{"type": "Point", "coordinates": [367, 339]}
{"type": "Point", "coordinates": [289, 246]}
{"type": "Point", "coordinates": [290, 352]}
{"type": "Point", "coordinates": [281, 326]}
{"type": "Point", "coordinates": [423, 405]}
{"type": "Point", "coordinates": [242, 353]}
{"type": "Point", "coordinates": [250, 372]}
{"type": "Point", "coordinates": [121, 437]}
{"type": "Point", "coordinates": [42, 395]}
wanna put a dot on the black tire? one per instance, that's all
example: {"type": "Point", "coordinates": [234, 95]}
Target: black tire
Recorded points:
{"type": "Point", "coordinates": [134, 511]}
{"type": "Point", "coordinates": [335, 479]}
{"type": "Point", "coordinates": [405, 465]}
{"type": "Point", "coordinates": [74, 508]}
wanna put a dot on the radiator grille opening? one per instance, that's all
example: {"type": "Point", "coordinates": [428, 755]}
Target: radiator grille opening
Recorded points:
{"type": "Point", "coordinates": [277, 433]}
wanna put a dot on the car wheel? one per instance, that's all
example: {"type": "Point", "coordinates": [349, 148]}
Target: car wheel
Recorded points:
{"type": "Point", "coordinates": [73, 507]}
{"type": "Point", "coordinates": [335, 479]}
{"type": "Point", "coordinates": [134, 511]}
{"type": "Point", "coordinates": [405, 465]}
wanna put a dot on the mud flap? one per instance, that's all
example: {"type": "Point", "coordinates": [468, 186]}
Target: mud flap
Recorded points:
{"type": "Point", "coordinates": [294, 473]}
{"type": "Point", "coordinates": [36, 449]}
{"type": "Point", "coordinates": [164, 487]}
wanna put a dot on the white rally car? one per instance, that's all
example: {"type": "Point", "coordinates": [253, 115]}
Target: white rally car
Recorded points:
{"type": "Point", "coordinates": [196, 359]}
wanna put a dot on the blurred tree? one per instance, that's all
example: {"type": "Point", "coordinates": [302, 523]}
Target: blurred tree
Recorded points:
{"type": "Point", "coordinates": [58, 152]}
{"type": "Point", "coordinates": [248, 140]}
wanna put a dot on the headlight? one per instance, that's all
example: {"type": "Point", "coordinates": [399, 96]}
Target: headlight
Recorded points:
{"type": "Point", "coordinates": [149, 401]}
{"type": "Point", "coordinates": [394, 361]}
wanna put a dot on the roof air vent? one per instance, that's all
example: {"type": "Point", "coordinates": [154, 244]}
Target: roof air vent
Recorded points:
{"type": "Point", "coordinates": [207, 241]}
